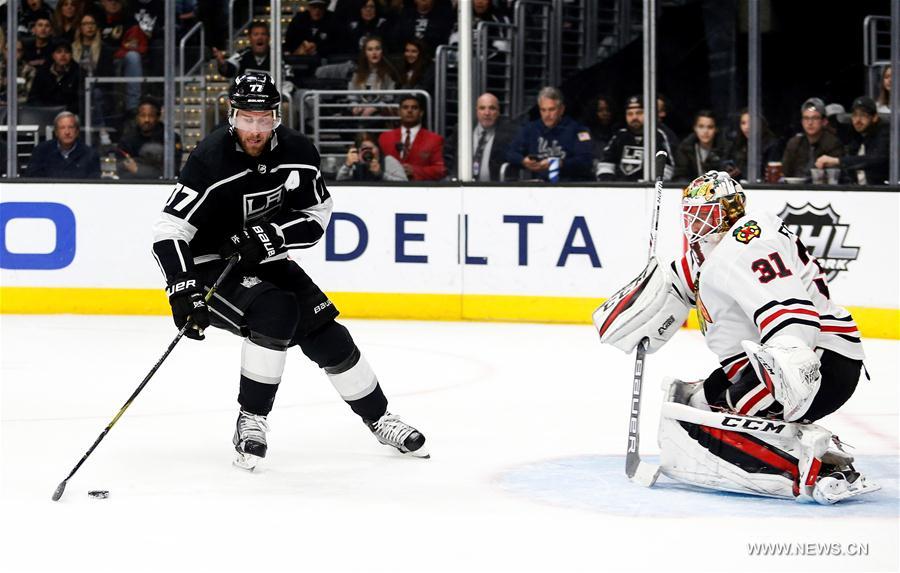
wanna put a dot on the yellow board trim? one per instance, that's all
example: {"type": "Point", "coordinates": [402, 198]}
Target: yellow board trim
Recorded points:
{"type": "Point", "coordinates": [873, 322]}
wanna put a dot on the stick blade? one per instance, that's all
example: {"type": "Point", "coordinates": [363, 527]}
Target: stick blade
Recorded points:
{"type": "Point", "coordinates": [59, 490]}
{"type": "Point", "coordinates": [645, 474]}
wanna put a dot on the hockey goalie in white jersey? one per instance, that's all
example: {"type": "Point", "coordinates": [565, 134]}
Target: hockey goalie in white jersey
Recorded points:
{"type": "Point", "coordinates": [789, 356]}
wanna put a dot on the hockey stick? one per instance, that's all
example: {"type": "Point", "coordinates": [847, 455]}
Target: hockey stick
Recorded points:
{"type": "Point", "coordinates": [62, 485]}
{"type": "Point", "coordinates": [638, 471]}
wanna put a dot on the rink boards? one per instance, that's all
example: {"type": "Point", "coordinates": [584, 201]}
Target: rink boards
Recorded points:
{"type": "Point", "coordinates": [544, 254]}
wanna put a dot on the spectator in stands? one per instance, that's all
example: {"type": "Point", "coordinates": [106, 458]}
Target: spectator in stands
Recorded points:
{"type": "Point", "coordinates": [416, 68]}
{"type": "Point", "coordinates": [23, 71]}
{"type": "Point", "coordinates": [623, 158]}
{"type": "Point", "coordinates": [365, 163]}
{"type": "Point", "coordinates": [312, 32]}
{"type": "Point", "coordinates": [663, 108]}
{"type": "Point", "coordinates": [88, 50]}
{"type": "Point", "coordinates": [428, 20]}
{"type": "Point", "coordinates": [66, 18]}
{"type": "Point", "coordinates": [599, 119]}
{"type": "Point", "coordinates": [64, 157]}
{"type": "Point", "coordinates": [29, 12]}
{"type": "Point", "coordinates": [255, 57]}
{"type": "Point", "coordinates": [490, 139]}
{"type": "Point", "coordinates": [420, 151]}
{"type": "Point", "coordinates": [701, 151]}
{"type": "Point", "coordinates": [884, 93]}
{"type": "Point", "coordinates": [373, 72]}
{"type": "Point", "coordinates": [368, 21]}
{"type": "Point", "coordinates": [94, 59]}
{"type": "Point", "coordinates": [736, 151]}
{"type": "Point", "coordinates": [60, 82]}
{"type": "Point", "coordinates": [803, 149]}
{"type": "Point", "coordinates": [142, 147]}
{"type": "Point", "coordinates": [186, 15]}
{"type": "Point", "coordinates": [150, 17]}
{"type": "Point", "coordinates": [866, 161]}
{"type": "Point", "coordinates": [554, 135]}
{"type": "Point", "coordinates": [128, 44]}
{"type": "Point", "coordinates": [838, 123]}
{"type": "Point", "coordinates": [483, 11]}
{"type": "Point", "coordinates": [38, 48]}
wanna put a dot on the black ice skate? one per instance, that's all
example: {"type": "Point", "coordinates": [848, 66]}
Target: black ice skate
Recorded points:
{"type": "Point", "coordinates": [250, 440]}
{"type": "Point", "coordinates": [392, 431]}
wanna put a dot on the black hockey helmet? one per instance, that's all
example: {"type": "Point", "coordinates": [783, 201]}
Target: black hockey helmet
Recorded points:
{"type": "Point", "coordinates": [254, 91]}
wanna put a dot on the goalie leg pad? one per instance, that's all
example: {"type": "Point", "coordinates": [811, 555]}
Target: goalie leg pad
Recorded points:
{"type": "Point", "coordinates": [716, 459]}
{"type": "Point", "coordinates": [650, 307]}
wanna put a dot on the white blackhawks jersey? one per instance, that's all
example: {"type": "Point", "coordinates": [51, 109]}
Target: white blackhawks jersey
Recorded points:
{"type": "Point", "coordinates": [758, 282]}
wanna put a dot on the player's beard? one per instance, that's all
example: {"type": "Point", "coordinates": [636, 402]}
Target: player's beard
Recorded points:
{"type": "Point", "coordinates": [253, 143]}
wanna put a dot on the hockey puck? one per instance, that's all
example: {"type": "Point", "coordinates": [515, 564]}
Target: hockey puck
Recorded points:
{"type": "Point", "coordinates": [99, 493]}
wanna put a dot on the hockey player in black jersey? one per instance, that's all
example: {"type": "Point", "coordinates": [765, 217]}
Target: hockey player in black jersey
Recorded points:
{"type": "Point", "coordinates": [254, 190]}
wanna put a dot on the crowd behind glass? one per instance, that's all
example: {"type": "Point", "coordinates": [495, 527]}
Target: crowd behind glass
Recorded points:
{"type": "Point", "coordinates": [389, 45]}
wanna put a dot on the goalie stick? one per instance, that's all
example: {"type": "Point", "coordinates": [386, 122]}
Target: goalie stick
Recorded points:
{"type": "Point", "coordinates": [638, 471]}
{"type": "Point", "coordinates": [58, 492]}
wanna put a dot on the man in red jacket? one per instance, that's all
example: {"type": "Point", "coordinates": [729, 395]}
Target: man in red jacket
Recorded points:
{"type": "Point", "coordinates": [421, 152]}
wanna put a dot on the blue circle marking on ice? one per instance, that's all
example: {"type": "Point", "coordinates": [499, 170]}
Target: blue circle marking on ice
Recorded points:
{"type": "Point", "coordinates": [598, 483]}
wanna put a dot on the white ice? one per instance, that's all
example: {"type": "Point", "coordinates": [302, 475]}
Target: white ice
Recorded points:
{"type": "Point", "coordinates": [526, 424]}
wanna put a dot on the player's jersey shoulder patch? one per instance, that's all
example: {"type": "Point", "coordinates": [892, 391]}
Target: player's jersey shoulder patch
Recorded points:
{"type": "Point", "coordinates": [584, 136]}
{"type": "Point", "coordinates": [747, 232]}
{"type": "Point", "coordinates": [250, 281]}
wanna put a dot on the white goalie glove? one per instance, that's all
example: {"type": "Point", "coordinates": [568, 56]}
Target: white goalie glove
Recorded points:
{"type": "Point", "coordinates": [650, 307]}
{"type": "Point", "coordinates": [790, 369]}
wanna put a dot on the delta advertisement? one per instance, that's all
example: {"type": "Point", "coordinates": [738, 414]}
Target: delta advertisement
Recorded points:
{"type": "Point", "coordinates": [486, 253]}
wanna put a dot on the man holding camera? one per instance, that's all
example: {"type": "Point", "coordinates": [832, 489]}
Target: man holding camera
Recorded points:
{"type": "Point", "coordinates": [365, 163]}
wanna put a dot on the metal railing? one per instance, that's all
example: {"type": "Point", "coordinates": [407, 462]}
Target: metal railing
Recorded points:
{"type": "Point", "coordinates": [231, 29]}
{"type": "Point", "coordinates": [536, 55]}
{"type": "Point", "coordinates": [876, 50]}
{"type": "Point", "coordinates": [445, 90]}
{"type": "Point", "coordinates": [332, 127]}
{"type": "Point", "coordinates": [183, 76]}
{"type": "Point", "coordinates": [494, 62]}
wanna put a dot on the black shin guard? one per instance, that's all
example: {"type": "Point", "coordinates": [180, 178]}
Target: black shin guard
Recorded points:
{"type": "Point", "coordinates": [256, 397]}
{"type": "Point", "coordinates": [333, 349]}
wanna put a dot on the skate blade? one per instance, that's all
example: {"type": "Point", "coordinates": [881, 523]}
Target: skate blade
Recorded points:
{"type": "Point", "coordinates": [422, 452]}
{"type": "Point", "coordinates": [867, 486]}
{"type": "Point", "coordinates": [245, 461]}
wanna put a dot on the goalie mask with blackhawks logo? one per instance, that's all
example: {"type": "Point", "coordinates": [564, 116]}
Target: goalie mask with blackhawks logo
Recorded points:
{"type": "Point", "coordinates": [710, 205]}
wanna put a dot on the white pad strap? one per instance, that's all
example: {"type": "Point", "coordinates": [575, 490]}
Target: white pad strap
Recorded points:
{"type": "Point", "coordinates": [647, 307]}
{"type": "Point", "coordinates": [789, 369]}
{"type": "Point", "coordinates": [262, 365]}
{"type": "Point", "coordinates": [356, 382]}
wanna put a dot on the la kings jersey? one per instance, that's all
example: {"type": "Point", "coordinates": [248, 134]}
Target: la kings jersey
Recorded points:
{"type": "Point", "coordinates": [221, 190]}
{"type": "Point", "coordinates": [759, 282]}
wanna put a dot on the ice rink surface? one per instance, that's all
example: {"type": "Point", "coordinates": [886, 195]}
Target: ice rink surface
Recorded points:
{"type": "Point", "coordinates": [526, 425]}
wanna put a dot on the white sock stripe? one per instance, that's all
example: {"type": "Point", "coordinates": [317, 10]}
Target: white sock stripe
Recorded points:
{"type": "Point", "coordinates": [262, 364]}
{"type": "Point", "coordinates": [355, 383]}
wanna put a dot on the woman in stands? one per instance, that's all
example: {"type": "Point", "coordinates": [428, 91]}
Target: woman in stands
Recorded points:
{"type": "Point", "coordinates": [66, 18]}
{"type": "Point", "coordinates": [416, 69]}
{"type": "Point", "coordinates": [373, 72]}
{"type": "Point", "coordinates": [884, 95]}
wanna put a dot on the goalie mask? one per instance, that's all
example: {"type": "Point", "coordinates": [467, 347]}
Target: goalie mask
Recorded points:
{"type": "Point", "coordinates": [710, 205]}
{"type": "Point", "coordinates": [255, 92]}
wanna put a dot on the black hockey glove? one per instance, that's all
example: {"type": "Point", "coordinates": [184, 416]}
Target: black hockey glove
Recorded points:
{"type": "Point", "coordinates": [186, 297]}
{"type": "Point", "coordinates": [253, 244]}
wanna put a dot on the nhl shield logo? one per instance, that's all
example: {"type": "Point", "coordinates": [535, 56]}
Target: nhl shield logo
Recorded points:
{"type": "Point", "coordinates": [261, 168]}
{"type": "Point", "coordinates": [819, 229]}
